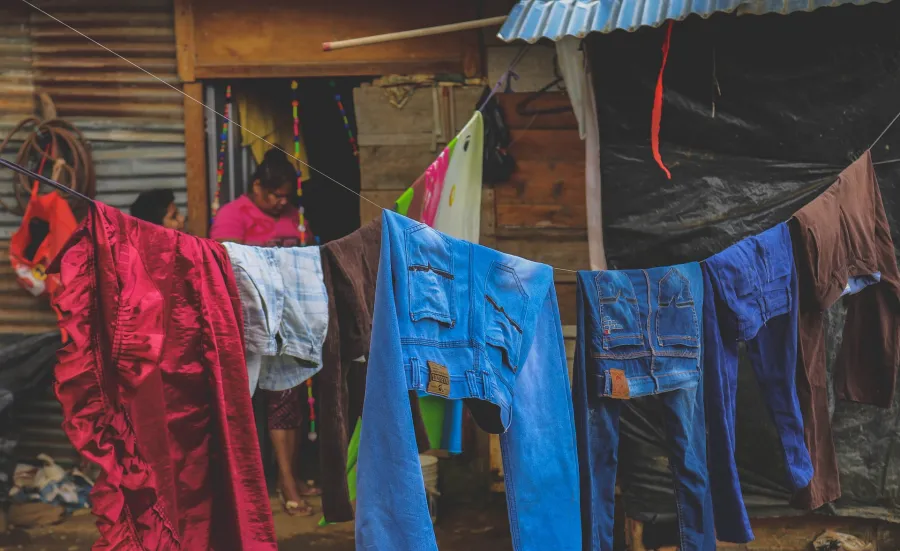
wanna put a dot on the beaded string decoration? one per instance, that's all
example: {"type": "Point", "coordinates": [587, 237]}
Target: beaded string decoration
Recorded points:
{"type": "Point", "coordinates": [301, 227]}
{"type": "Point", "coordinates": [340, 104]}
{"type": "Point", "coordinates": [223, 144]}
{"type": "Point", "coordinates": [312, 410]}
{"type": "Point", "coordinates": [301, 222]}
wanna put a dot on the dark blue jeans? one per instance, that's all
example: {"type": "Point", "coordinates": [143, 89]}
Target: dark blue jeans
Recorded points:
{"type": "Point", "coordinates": [464, 322]}
{"type": "Point", "coordinates": [751, 296]}
{"type": "Point", "coordinates": [639, 334]}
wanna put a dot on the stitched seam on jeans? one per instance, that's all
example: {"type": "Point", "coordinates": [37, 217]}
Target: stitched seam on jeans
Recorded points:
{"type": "Point", "coordinates": [438, 344]}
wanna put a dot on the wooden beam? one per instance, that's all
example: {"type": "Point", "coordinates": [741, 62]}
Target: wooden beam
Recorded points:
{"type": "Point", "coordinates": [184, 39]}
{"type": "Point", "coordinates": [414, 33]}
{"type": "Point", "coordinates": [195, 160]}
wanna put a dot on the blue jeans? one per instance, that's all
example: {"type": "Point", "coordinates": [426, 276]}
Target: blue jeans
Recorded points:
{"type": "Point", "coordinates": [751, 296]}
{"type": "Point", "coordinates": [639, 334]}
{"type": "Point", "coordinates": [458, 320]}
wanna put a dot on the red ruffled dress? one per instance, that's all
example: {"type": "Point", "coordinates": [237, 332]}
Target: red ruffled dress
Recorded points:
{"type": "Point", "coordinates": [154, 388]}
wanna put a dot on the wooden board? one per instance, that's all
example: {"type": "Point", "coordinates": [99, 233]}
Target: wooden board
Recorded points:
{"type": "Point", "coordinates": [393, 167]}
{"type": "Point", "coordinates": [195, 161]}
{"type": "Point", "coordinates": [283, 38]}
{"type": "Point", "coordinates": [571, 254]}
{"type": "Point", "coordinates": [547, 188]}
{"type": "Point", "coordinates": [564, 120]}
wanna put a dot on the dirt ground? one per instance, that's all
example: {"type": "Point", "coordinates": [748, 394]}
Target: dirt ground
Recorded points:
{"type": "Point", "coordinates": [479, 527]}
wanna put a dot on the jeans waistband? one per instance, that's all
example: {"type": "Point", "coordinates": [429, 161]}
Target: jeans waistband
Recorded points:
{"type": "Point", "coordinates": [754, 279]}
{"type": "Point", "coordinates": [641, 329]}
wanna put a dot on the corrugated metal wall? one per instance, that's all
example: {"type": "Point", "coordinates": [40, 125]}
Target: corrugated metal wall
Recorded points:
{"type": "Point", "coordinates": [134, 122]}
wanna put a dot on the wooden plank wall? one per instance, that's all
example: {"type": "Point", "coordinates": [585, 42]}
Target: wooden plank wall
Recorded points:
{"type": "Point", "coordinates": [539, 213]}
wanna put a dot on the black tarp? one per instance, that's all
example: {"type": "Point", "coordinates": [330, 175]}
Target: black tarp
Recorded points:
{"type": "Point", "coordinates": [797, 98]}
{"type": "Point", "coordinates": [25, 361]}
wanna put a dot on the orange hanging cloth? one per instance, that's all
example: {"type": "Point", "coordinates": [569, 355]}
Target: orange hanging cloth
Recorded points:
{"type": "Point", "coordinates": [657, 104]}
{"type": "Point", "coordinates": [47, 225]}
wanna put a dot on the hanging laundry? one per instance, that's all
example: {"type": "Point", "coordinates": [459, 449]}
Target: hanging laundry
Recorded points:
{"type": "Point", "coordinates": [350, 268]}
{"type": "Point", "coordinates": [154, 390]}
{"type": "Point", "coordinates": [460, 321]}
{"type": "Point", "coordinates": [285, 307]}
{"type": "Point", "coordinates": [448, 198]}
{"type": "Point", "coordinates": [751, 296]}
{"type": "Point", "coordinates": [459, 211]}
{"type": "Point", "coordinates": [842, 239]}
{"type": "Point", "coordinates": [639, 335]}
{"type": "Point", "coordinates": [420, 202]}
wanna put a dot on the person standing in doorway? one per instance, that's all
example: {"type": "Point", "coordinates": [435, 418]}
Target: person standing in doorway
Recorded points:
{"type": "Point", "coordinates": [265, 217]}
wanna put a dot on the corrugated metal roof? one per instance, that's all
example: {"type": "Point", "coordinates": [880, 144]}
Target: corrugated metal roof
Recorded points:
{"type": "Point", "coordinates": [531, 20]}
{"type": "Point", "coordinates": [135, 125]}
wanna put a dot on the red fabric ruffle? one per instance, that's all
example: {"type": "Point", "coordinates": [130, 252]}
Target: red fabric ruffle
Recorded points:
{"type": "Point", "coordinates": [153, 387]}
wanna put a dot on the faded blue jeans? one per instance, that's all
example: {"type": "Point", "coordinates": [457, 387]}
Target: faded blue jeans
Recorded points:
{"type": "Point", "coordinates": [639, 334]}
{"type": "Point", "coordinates": [751, 296]}
{"type": "Point", "coordinates": [462, 321]}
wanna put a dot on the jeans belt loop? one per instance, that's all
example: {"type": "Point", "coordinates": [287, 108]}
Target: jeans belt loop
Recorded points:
{"type": "Point", "coordinates": [600, 379]}
{"type": "Point", "coordinates": [414, 376]}
{"type": "Point", "coordinates": [487, 385]}
{"type": "Point", "coordinates": [479, 384]}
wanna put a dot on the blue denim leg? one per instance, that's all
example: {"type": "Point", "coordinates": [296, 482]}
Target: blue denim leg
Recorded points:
{"type": "Point", "coordinates": [752, 296]}
{"type": "Point", "coordinates": [686, 439]}
{"type": "Point", "coordinates": [458, 320]}
{"type": "Point", "coordinates": [539, 450]}
{"type": "Point", "coordinates": [392, 509]}
{"type": "Point", "coordinates": [643, 323]}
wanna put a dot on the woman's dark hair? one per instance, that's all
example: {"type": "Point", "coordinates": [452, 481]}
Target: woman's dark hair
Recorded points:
{"type": "Point", "coordinates": [152, 206]}
{"type": "Point", "coordinates": [275, 170]}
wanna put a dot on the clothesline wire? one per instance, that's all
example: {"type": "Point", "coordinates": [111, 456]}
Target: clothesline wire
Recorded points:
{"type": "Point", "coordinates": [507, 74]}
{"type": "Point", "coordinates": [886, 128]}
{"type": "Point", "coordinates": [43, 179]}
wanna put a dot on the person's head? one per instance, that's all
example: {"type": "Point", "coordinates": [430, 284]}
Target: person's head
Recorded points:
{"type": "Point", "coordinates": [158, 207]}
{"type": "Point", "coordinates": [273, 183]}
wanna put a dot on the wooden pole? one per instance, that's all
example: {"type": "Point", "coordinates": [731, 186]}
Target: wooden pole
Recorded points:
{"type": "Point", "coordinates": [416, 33]}
{"type": "Point", "coordinates": [195, 160]}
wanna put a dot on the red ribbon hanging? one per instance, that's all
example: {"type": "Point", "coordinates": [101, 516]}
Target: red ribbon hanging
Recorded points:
{"type": "Point", "coordinates": [657, 104]}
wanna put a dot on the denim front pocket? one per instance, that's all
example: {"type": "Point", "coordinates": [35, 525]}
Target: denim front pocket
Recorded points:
{"type": "Point", "coordinates": [676, 316]}
{"type": "Point", "coordinates": [505, 307]}
{"type": "Point", "coordinates": [620, 319]}
{"type": "Point", "coordinates": [430, 269]}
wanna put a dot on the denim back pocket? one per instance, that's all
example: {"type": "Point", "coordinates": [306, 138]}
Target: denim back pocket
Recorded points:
{"type": "Point", "coordinates": [676, 316]}
{"type": "Point", "coordinates": [620, 319]}
{"type": "Point", "coordinates": [777, 261]}
{"type": "Point", "coordinates": [505, 306]}
{"type": "Point", "coordinates": [430, 269]}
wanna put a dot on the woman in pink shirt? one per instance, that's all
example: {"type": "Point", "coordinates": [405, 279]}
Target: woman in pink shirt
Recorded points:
{"type": "Point", "coordinates": [264, 217]}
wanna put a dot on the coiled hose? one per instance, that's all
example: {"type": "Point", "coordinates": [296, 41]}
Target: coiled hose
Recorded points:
{"type": "Point", "coordinates": [57, 143]}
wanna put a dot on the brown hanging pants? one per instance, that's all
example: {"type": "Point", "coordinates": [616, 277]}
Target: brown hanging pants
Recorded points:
{"type": "Point", "coordinates": [843, 247]}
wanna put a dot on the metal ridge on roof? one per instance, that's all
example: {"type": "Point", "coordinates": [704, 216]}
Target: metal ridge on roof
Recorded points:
{"type": "Point", "coordinates": [532, 20]}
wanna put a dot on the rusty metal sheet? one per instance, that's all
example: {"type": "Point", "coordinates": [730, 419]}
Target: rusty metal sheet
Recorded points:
{"type": "Point", "coordinates": [134, 122]}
